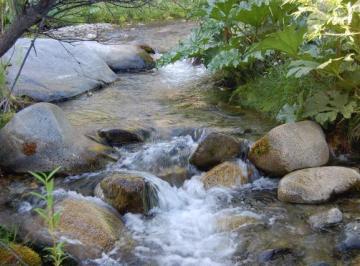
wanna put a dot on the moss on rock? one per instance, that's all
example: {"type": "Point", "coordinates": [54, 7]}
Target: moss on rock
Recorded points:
{"type": "Point", "coordinates": [26, 254]}
{"type": "Point", "coordinates": [261, 147]}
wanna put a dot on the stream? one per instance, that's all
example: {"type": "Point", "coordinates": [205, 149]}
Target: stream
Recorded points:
{"type": "Point", "coordinates": [178, 105]}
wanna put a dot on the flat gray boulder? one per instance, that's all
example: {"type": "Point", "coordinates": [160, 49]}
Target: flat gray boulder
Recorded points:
{"type": "Point", "coordinates": [317, 185]}
{"type": "Point", "coordinates": [290, 147]}
{"type": "Point", "coordinates": [56, 70]}
{"type": "Point", "coordinates": [40, 138]}
{"type": "Point", "coordinates": [121, 57]}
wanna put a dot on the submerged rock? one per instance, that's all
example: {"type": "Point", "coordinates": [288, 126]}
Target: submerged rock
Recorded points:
{"type": "Point", "coordinates": [26, 254]}
{"type": "Point", "coordinates": [325, 219]}
{"type": "Point", "coordinates": [317, 185]}
{"type": "Point", "coordinates": [290, 147]}
{"type": "Point", "coordinates": [56, 70]}
{"type": "Point", "coordinates": [175, 175]}
{"type": "Point", "coordinates": [349, 238]}
{"type": "Point", "coordinates": [127, 192]}
{"type": "Point", "coordinates": [230, 223]}
{"type": "Point", "coordinates": [119, 137]}
{"type": "Point", "coordinates": [121, 57]}
{"type": "Point", "coordinates": [277, 256]}
{"type": "Point", "coordinates": [40, 138]}
{"type": "Point", "coordinates": [215, 149]}
{"type": "Point", "coordinates": [227, 174]}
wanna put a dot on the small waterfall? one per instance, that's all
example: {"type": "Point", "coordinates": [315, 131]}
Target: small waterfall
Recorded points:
{"type": "Point", "coordinates": [183, 228]}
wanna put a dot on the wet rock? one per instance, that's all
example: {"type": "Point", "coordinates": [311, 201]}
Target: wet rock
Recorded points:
{"type": "Point", "coordinates": [167, 160]}
{"type": "Point", "coordinates": [175, 175]}
{"type": "Point", "coordinates": [120, 137]}
{"type": "Point", "coordinates": [127, 192]}
{"type": "Point", "coordinates": [320, 263]}
{"type": "Point", "coordinates": [227, 174]}
{"type": "Point", "coordinates": [349, 238]}
{"type": "Point", "coordinates": [230, 223]}
{"type": "Point", "coordinates": [56, 71]}
{"type": "Point", "coordinates": [121, 57]}
{"type": "Point", "coordinates": [325, 219]}
{"type": "Point", "coordinates": [96, 227]}
{"type": "Point", "coordinates": [290, 147]}
{"type": "Point", "coordinates": [215, 149]}
{"type": "Point", "coordinates": [277, 256]}
{"type": "Point", "coordinates": [26, 254]}
{"type": "Point", "coordinates": [39, 138]}
{"type": "Point", "coordinates": [316, 185]}
{"type": "Point", "coordinates": [88, 227]}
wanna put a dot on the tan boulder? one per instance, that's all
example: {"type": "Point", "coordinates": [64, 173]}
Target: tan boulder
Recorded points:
{"type": "Point", "coordinates": [127, 192]}
{"type": "Point", "coordinates": [290, 147]}
{"type": "Point", "coordinates": [317, 185]}
{"type": "Point", "coordinates": [227, 174]}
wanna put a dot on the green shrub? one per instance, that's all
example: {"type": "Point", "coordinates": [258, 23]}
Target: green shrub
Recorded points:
{"type": "Point", "coordinates": [320, 39]}
{"type": "Point", "coordinates": [273, 90]}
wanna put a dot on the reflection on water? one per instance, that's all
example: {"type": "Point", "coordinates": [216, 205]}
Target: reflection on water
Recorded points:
{"type": "Point", "coordinates": [173, 97]}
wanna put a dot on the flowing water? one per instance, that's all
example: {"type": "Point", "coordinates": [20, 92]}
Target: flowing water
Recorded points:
{"type": "Point", "coordinates": [178, 105]}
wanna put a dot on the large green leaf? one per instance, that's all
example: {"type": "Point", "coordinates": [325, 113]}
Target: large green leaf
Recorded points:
{"type": "Point", "coordinates": [287, 41]}
{"type": "Point", "coordinates": [220, 10]}
{"type": "Point", "coordinates": [254, 14]}
{"type": "Point", "coordinates": [225, 59]}
{"type": "Point", "coordinates": [299, 68]}
{"type": "Point", "coordinates": [325, 106]}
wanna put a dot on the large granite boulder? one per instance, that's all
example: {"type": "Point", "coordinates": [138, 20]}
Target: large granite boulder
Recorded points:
{"type": "Point", "coordinates": [317, 185]}
{"type": "Point", "coordinates": [290, 147]}
{"type": "Point", "coordinates": [121, 57]}
{"type": "Point", "coordinates": [227, 174]}
{"type": "Point", "coordinates": [55, 71]}
{"type": "Point", "coordinates": [215, 149]}
{"type": "Point", "coordinates": [127, 192]}
{"type": "Point", "coordinates": [40, 138]}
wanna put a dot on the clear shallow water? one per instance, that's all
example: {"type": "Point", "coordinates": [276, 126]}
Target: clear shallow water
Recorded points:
{"type": "Point", "coordinates": [184, 228]}
{"type": "Point", "coordinates": [178, 96]}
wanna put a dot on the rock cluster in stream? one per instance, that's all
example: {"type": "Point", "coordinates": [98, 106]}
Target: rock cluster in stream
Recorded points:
{"type": "Point", "coordinates": [302, 147]}
{"type": "Point", "coordinates": [56, 71]}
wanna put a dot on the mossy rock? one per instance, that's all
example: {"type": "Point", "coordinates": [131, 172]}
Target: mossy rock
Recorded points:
{"type": "Point", "coordinates": [5, 118]}
{"type": "Point", "coordinates": [260, 148]}
{"type": "Point", "coordinates": [26, 254]}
